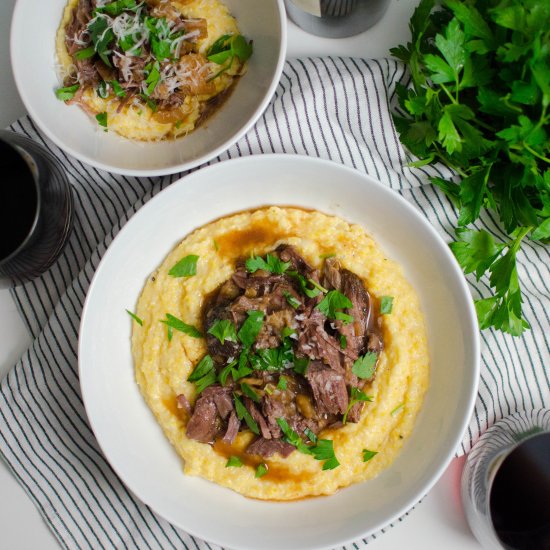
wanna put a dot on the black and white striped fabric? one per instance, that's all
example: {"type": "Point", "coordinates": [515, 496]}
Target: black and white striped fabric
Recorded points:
{"type": "Point", "coordinates": [336, 109]}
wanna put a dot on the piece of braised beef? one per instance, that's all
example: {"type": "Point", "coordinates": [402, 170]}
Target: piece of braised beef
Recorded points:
{"type": "Point", "coordinates": [311, 401]}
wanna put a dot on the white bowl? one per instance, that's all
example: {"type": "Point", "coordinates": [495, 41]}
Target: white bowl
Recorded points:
{"type": "Point", "coordinates": [33, 61]}
{"type": "Point", "coordinates": [135, 445]}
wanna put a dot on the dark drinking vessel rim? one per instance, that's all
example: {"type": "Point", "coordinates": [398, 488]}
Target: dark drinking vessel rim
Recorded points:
{"type": "Point", "coordinates": [34, 225]}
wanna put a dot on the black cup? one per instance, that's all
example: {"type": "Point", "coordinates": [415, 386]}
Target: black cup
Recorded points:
{"type": "Point", "coordinates": [36, 209]}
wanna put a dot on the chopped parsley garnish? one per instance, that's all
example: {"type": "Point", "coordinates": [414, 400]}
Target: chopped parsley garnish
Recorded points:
{"type": "Point", "coordinates": [226, 371]}
{"type": "Point", "coordinates": [67, 93]}
{"type": "Point", "coordinates": [179, 325]}
{"type": "Point", "coordinates": [281, 385]}
{"type": "Point", "coordinates": [271, 264]}
{"type": "Point", "coordinates": [135, 317]}
{"type": "Point", "coordinates": [243, 414]}
{"type": "Point", "coordinates": [356, 396]}
{"type": "Point", "coordinates": [343, 342]}
{"type": "Point", "coordinates": [102, 119]}
{"type": "Point", "coordinates": [102, 35]}
{"type": "Point", "coordinates": [153, 78]}
{"type": "Point", "coordinates": [386, 305]}
{"type": "Point", "coordinates": [226, 48]}
{"type": "Point", "coordinates": [234, 462]}
{"type": "Point", "coordinates": [261, 470]}
{"type": "Point", "coordinates": [117, 7]}
{"type": "Point", "coordinates": [322, 449]}
{"type": "Point", "coordinates": [272, 358]}
{"type": "Point", "coordinates": [249, 392]}
{"type": "Point", "coordinates": [117, 88]}
{"type": "Point", "coordinates": [86, 53]}
{"type": "Point", "coordinates": [368, 455]}
{"type": "Point", "coordinates": [365, 366]}
{"type": "Point", "coordinates": [186, 267]}
{"type": "Point", "coordinates": [310, 435]}
{"type": "Point", "coordinates": [169, 333]}
{"type": "Point", "coordinates": [332, 304]}
{"type": "Point", "coordinates": [102, 90]}
{"type": "Point", "coordinates": [300, 365]}
{"type": "Point", "coordinates": [303, 284]}
{"type": "Point", "coordinates": [251, 328]}
{"type": "Point", "coordinates": [204, 366]}
{"type": "Point", "coordinates": [223, 330]}
{"type": "Point", "coordinates": [397, 409]}
{"type": "Point", "coordinates": [204, 374]}
{"type": "Point", "coordinates": [292, 301]}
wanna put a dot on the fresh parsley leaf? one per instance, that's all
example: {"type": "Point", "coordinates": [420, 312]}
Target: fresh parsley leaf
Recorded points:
{"type": "Point", "coordinates": [249, 392]}
{"type": "Point", "coordinates": [223, 330]}
{"type": "Point", "coordinates": [343, 341]}
{"type": "Point", "coordinates": [368, 455]}
{"type": "Point", "coordinates": [386, 305]}
{"type": "Point", "coordinates": [324, 450]}
{"type": "Point", "coordinates": [300, 365]}
{"type": "Point", "coordinates": [153, 78]}
{"type": "Point", "coordinates": [271, 264]}
{"type": "Point", "coordinates": [281, 385]}
{"type": "Point", "coordinates": [135, 317]}
{"type": "Point", "coordinates": [67, 93]}
{"type": "Point", "coordinates": [303, 284]}
{"type": "Point", "coordinates": [186, 267]}
{"type": "Point", "coordinates": [293, 302]}
{"type": "Point", "coordinates": [243, 414]}
{"type": "Point", "coordinates": [178, 324]}
{"type": "Point", "coordinates": [310, 435]}
{"type": "Point", "coordinates": [251, 328]}
{"type": "Point", "coordinates": [204, 366]}
{"type": "Point", "coordinates": [261, 470]}
{"type": "Point", "coordinates": [86, 53]}
{"type": "Point", "coordinates": [234, 462]}
{"type": "Point", "coordinates": [356, 396]}
{"type": "Point", "coordinates": [202, 383]}
{"type": "Point", "coordinates": [332, 303]}
{"type": "Point", "coordinates": [290, 436]}
{"type": "Point", "coordinates": [102, 119]}
{"type": "Point", "coordinates": [365, 366]}
{"type": "Point", "coordinates": [169, 333]}
{"type": "Point", "coordinates": [116, 8]}
{"type": "Point", "coordinates": [117, 88]}
{"type": "Point", "coordinates": [226, 371]}
{"type": "Point", "coordinates": [102, 90]}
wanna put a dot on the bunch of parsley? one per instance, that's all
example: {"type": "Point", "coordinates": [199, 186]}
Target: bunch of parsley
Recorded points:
{"type": "Point", "coordinates": [479, 102]}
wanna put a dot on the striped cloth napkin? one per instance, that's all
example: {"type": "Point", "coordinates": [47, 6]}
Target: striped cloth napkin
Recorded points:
{"type": "Point", "coordinates": [333, 108]}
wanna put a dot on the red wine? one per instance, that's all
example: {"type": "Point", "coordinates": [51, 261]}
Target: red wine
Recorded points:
{"type": "Point", "coordinates": [520, 496]}
{"type": "Point", "coordinates": [36, 209]}
{"type": "Point", "coordinates": [18, 200]}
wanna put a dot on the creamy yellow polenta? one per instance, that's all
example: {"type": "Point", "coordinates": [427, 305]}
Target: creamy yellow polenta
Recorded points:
{"type": "Point", "coordinates": [162, 366]}
{"type": "Point", "coordinates": [136, 120]}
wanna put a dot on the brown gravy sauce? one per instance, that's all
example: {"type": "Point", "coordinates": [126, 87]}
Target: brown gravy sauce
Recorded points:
{"type": "Point", "coordinates": [241, 242]}
{"type": "Point", "coordinates": [275, 472]}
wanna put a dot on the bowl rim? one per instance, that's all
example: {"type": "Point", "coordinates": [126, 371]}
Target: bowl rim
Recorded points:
{"type": "Point", "coordinates": [35, 115]}
{"type": "Point", "coordinates": [472, 331]}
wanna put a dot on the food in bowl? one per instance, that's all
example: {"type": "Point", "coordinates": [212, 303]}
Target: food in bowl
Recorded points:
{"type": "Point", "coordinates": [149, 70]}
{"type": "Point", "coordinates": [282, 353]}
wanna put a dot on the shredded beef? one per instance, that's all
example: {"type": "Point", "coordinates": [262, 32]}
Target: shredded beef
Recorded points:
{"type": "Point", "coordinates": [268, 447]}
{"type": "Point", "coordinates": [314, 400]}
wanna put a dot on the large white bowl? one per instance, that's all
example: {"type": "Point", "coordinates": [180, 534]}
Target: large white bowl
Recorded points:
{"type": "Point", "coordinates": [134, 443]}
{"type": "Point", "coordinates": [33, 30]}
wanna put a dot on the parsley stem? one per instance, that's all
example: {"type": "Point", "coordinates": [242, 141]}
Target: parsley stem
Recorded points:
{"type": "Point", "coordinates": [449, 94]}
{"type": "Point", "coordinates": [538, 155]}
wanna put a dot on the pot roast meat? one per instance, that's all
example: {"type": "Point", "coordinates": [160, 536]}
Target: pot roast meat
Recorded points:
{"type": "Point", "coordinates": [233, 426]}
{"type": "Point", "coordinates": [329, 388]}
{"type": "Point", "coordinates": [268, 447]}
{"type": "Point", "coordinates": [313, 401]}
{"type": "Point", "coordinates": [203, 425]}
{"type": "Point", "coordinates": [81, 15]}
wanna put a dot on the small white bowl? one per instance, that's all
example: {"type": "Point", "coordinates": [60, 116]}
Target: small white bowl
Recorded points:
{"type": "Point", "coordinates": [33, 60]}
{"type": "Point", "coordinates": [135, 445]}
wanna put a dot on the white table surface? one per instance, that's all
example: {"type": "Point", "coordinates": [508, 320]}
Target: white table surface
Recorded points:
{"type": "Point", "coordinates": [437, 522]}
